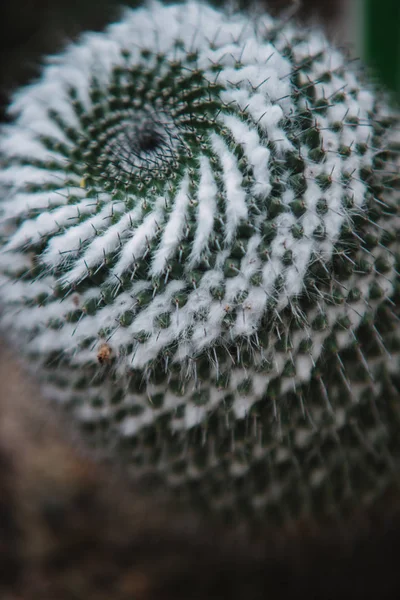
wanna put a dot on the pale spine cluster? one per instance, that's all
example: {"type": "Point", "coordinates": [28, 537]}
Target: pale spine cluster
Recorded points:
{"type": "Point", "coordinates": [188, 229]}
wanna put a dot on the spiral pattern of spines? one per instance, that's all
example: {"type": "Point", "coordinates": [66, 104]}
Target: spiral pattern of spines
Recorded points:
{"type": "Point", "coordinates": [210, 202]}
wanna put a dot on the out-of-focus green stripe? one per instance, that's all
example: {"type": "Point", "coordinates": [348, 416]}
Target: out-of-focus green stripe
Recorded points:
{"type": "Point", "coordinates": [382, 40]}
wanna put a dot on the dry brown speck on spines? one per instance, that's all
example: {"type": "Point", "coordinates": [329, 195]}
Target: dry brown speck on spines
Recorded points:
{"type": "Point", "coordinates": [104, 353]}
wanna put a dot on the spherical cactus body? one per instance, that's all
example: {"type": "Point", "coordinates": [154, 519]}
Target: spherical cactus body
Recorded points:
{"type": "Point", "coordinates": [199, 229]}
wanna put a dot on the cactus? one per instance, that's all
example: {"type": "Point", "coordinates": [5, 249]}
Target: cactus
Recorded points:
{"type": "Point", "coordinates": [199, 231]}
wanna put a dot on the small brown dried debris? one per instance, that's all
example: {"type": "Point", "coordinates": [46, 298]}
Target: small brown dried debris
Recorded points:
{"type": "Point", "coordinates": [104, 353]}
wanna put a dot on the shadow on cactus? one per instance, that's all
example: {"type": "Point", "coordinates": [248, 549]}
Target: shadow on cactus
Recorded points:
{"type": "Point", "coordinates": [200, 243]}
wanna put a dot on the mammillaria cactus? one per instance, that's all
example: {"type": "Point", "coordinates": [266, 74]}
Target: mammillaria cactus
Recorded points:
{"type": "Point", "coordinates": [199, 231]}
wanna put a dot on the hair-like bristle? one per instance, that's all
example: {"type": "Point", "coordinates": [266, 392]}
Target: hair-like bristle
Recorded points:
{"type": "Point", "coordinates": [200, 252]}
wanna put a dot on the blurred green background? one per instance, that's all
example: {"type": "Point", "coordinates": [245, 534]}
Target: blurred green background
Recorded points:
{"type": "Point", "coordinates": [381, 40]}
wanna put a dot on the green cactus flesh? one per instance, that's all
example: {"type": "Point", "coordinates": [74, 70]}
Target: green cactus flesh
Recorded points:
{"type": "Point", "coordinates": [199, 230]}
